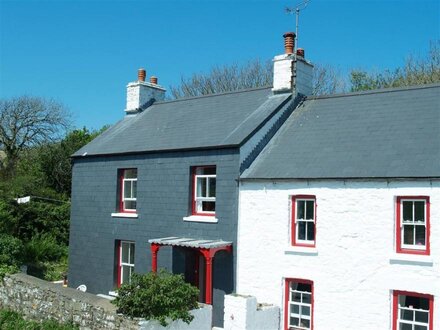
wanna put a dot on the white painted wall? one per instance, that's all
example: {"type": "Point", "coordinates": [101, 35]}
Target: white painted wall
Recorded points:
{"type": "Point", "coordinates": [354, 267]}
{"type": "Point", "coordinates": [140, 92]}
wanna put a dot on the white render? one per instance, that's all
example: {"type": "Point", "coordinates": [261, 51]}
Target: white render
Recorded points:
{"type": "Point", "coordinates": [140, 92]}
{"type": "Point", "coordinates": [243, 313]}
{"type": "Point", "coordinates": [354, 266]}
{"type": "Point", "coordinates": [292, 73]}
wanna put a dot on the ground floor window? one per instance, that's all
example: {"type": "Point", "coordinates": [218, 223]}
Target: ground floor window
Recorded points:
{"type": "Point", "coordinates": [299, 304]}
{"type": "Point", "coordinates": [125, 261]}
{"type": "Point", "coordinates": [412, 311]}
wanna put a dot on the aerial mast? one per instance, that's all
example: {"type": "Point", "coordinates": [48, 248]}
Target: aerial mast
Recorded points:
{"type": "Point", "coordinates": [300, 6]}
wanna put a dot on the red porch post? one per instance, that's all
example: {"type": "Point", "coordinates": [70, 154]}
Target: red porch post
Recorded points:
{"type": "Point", "coordinates": [154, 249]}
{"type": "Point", "coordinates": [208, 254]}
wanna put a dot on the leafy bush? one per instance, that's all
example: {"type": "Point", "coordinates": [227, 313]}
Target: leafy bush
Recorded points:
{"type": "Point", "coordinates": [11, 250]}
{"type": "Point", "coordinates": [158, 296]}
{"type": "Point", "coordinates": [10, 320]}
{"type": "Point", "coordinates": [7, 269]}
{"type": "Point", "coordinates": [44, 247]}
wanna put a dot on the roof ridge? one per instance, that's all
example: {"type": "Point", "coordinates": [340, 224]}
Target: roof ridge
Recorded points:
{"type": "Point", "coordinates": [374, 91]}
{"type": "Point", "coordinates": [213, 95]}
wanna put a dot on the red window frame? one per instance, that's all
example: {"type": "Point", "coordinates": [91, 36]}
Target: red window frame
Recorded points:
{"type": "Point", "coordinates": [399, 247]}
{"type": "Point", "coordinates": [396, 294]}
{"type": "Point", "coordinates": [121, 191]}
{"type": "Point", "coordinates": [286, 300]}
{"type": "Point", "coordinates": [293, 220]}
{"type": "Point", "coordinates": [119, 260]}
{"type": "Point", "coordinates": [194, 191]}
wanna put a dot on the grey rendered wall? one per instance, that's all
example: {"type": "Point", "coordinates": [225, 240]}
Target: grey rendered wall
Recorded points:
{"type": "Point", "coordinates": [164, 188]}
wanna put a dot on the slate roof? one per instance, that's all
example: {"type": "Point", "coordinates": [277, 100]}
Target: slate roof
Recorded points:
{"type": "Point", "coordinates": [220, 120]}
{"type": "Point", "coordinates": [390, 133]}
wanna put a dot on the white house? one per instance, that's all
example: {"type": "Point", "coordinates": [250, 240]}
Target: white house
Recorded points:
{"type": "Point", "coordinates": [339, 216]}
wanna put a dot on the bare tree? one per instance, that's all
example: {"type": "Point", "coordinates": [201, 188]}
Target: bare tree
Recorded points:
{"type": "Point", "coordinates": [29, 121]}
{"type": "Point", "coordinates": [225, 79]}
{"type": "Point", "coordinates": [327, 80]}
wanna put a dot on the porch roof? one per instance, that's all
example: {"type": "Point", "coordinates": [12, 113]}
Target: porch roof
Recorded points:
{"type": "Point", "coordinates": [190, 242]}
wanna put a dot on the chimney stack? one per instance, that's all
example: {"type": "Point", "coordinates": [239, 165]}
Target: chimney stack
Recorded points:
{"type": "Point", "coordinates": [291, 72]}
{"type": "Point", "coordinates": [141, 74]}
{"type": "Point", "coordinates": [289, 42]}
{"type": "Point", "coordinates": [141, 94]}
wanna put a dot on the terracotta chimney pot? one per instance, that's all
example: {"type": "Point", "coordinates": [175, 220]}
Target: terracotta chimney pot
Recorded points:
{"type": "Point", "coordinates": [289, 42]}
{"type": "Point", "coordinates": [153, 80]}
{"type": "Point", "coordinates": [141, 74]}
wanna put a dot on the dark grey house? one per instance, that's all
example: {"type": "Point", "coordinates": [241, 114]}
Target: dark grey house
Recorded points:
{"type": "Point", "coordinates": [160, 188]}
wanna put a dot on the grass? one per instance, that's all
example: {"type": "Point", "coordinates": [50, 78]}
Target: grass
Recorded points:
{"type": "Point", "coordinates": [10, 320]}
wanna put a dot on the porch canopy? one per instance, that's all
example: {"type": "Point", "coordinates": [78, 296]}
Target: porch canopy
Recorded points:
{"type": "Point", "coordinates": [208, 248]}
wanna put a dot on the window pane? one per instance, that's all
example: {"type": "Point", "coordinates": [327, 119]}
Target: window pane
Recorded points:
{"type": "Point", "coordinates": [294, 321]}
{"type": "Point", "coordinates": [305, 324]}
{"type": "Point", "coordinates": [310, 231]}
{"type": "Point", "coordinates": [307, 298]}
{"type": "Point", "coordinates": [407, 211]}
{"type": "Point", "coordinates": [422, 317]}
{"type": "Point", "coordinates": [127, 189]}
{"type": "Point", "coordinates": [131, 261]}
{"type": "Point", "coordinates": [209, 170]}
{"type": "Point", "coordinates": [419, 211]}
{"type": "Point", "coordinates": [134, 189]}
{"type": "Point", "coordinates": [305, 310]}
{"type": "Point", "coordinates": [420, 327]}
{"type": "Point", "coordinates": [301, 230]}
{"type": "Point", "coordinates": [212, 187]}
{"type": "Point", "coordinates": [294, 309]}
{"type": "Point", "coordinates": [305, 287]}
{"type": "Point", "coordinates": [406, 315]}
{"type": "Point", "coordinates": [420, 235]}
{"type": "Point", "coordinates": [300, 209]}
{"type": "Point", "coordinates": [124, 252]}
{"type": "Point", "coordinates": [405, 326]}
{"type": "Point", "coordinates": [201, 187]}
{"type": "Point", "coordinates": [408, 234]}
{"type": "Point", "coordinates": [130, 174]}
{"type": "Point", "coordinates": [310, 214]}
{"type": "Point", "coordinates": [208, 206]}
{"type": "Point", "coordinates": [125, 274]}
{"type": "Point", "coordinates": [296, 297]}
{"type": "Point", "coordinates": [130, 205]}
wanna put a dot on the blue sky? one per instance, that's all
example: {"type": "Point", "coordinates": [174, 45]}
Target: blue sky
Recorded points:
{"type": "Point", "coordinates": [83, 53]}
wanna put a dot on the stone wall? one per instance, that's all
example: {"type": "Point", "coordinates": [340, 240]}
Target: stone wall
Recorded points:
{"type": "Point", "coordinates": [41, 300]}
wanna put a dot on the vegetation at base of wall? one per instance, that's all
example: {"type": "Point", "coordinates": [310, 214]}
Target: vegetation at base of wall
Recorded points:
{"type": "Point", "coordinates": [158, 296]}
{"type": "Point", "coordinates": [39, 229]}
{"type": "Point", "coordinates": [10, 320]}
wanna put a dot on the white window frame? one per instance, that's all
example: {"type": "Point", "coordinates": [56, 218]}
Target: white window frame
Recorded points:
{"type": "Point", "coordinates": [413, 322]}
{"type": "Point", "coordinates": [198, 200]}
{"type": "Point", "coordinates": [133, 191]}
{"type": "Point", "coordinates": [297, 221]}
{"type": "Point", "coordinates": [129, 264]}
{"type": "Point", "coordinates": [300, 305]}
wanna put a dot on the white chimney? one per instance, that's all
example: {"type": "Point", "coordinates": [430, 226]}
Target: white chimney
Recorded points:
{"type": "Point", "coordinates": [291, 72]}
{"type": "Point", "coordinates": [142, 94]}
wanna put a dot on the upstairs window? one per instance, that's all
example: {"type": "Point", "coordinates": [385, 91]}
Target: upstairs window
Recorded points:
{"type": "Point", "coordinates": [412, 234]}
{"type": "Point", "coordinates": [303, 220]}
{"type": "Point", "coordinates": [128, 196]}
{"type": "Point", "coordinates": [204, 190]}
{"type": "Point", "coordinates": [299, 304]}
{"type": "Point", "coordinates": [412, 311]}
{"type": "Point", "coordinates": [125, 262]}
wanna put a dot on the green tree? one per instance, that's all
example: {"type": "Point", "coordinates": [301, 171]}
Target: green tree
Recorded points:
{"type": "Point", "coordinates": [416, 71]}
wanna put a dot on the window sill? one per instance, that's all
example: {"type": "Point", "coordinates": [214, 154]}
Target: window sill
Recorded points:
{"type": "Point", "coordinates": [301, 250]}
{"type": "Point", "coordinates": [201, 218]}
{"type": "Point", "coordinates": [124, 215]}
{"type": "Point", "coordinates": [412, 259]}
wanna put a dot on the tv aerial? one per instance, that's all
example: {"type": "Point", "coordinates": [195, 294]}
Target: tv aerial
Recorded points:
{"type": "Point", "coordinates": [290, 10]}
